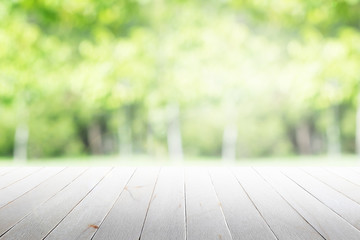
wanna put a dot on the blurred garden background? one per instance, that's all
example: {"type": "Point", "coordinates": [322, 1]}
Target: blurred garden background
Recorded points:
{"type": "Point", "coordinates": [179, 79]}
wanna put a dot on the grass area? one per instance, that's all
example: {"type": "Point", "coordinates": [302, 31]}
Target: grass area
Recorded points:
{"type": "Point", "coordinates": [345, 160]}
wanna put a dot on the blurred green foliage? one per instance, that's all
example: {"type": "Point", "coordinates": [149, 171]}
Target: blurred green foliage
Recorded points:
{"type": "Point", "coordinates": [90, 76]}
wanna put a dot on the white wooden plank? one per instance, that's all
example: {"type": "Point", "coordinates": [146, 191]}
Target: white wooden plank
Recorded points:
{"type": "Point", "coordinates": [166, 216]}
{"type": "Point", "coordinates": [125, 220]}
{"type": "Point", "coordinates": [204, 217]}
{"type": "Point", "coordinates": [22, 206]}
{"type": "Point", "coordinates": [284, 221]}
{"type": "Point", "coordinates": [3, 170]}
{"type": "Point", "coordinates": [84, 220]}
{"type": "Point", "coordinates": [345, 207]}
{"type": "Point", "coordinates": [325, 198]}
{"type": "Point", "coordinates": [356, 169]}
{"type": "Point", "coordinates": [243, 219]}
{"type": "Point", "coordinates": [44, 218]}
{"type": "Point", "coordinates": [6, 170]}
{"type": "Point", "coordinates": [338, 183]}
{"type": "Point", "coordinates": [329, 224]}
{"type": "Point", "coordinates": [17, 175]}
{"type": "Point", "coordinates": [17, 189]}
{"type": "Point", "coordinates": [347, 173]}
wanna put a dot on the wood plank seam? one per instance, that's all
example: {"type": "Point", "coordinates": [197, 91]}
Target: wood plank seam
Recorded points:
{"type": "Point", "coordinates": [41, 203]}
{"type": "Point", "coordinates": [125, 220]}
{"type": "Point", "coordinates": [12, 183]}
{"type": "Point", "coordinates": [328, 184]}
{"type": "Point", "coordinates": [357, 170]}
{"type": "Point", "coordinates": [204, 217]}
{"type": "Point", "coordinates": [221, 208]}
{"type": "Point", "coordinates": [254, 204]}
{"type": "Point", "coordinates": [289, 204]}
{"type": "Point", "coordinates": [77, 203]}
{"type": "Point", "coordinates": [151, 199]}
{"type": "Point", "coordinates": [186, 227]}
{"type": "Point", "coordinates": [331, 180]}
{"type": "Point", "coordinates": [7, 171]}
{"type": "Point", "coordinates": [318, 198]}
{"type": "Point", "coordinates": [340, 175]}
{"type": "Point", "coordinates": [114, 203]}
{"type": "Point", "coordinates": [82, 223]}
{"type": "Point", "coordinates": [22, 194]}
{"type": "Point", "coordinates": [32, 188]}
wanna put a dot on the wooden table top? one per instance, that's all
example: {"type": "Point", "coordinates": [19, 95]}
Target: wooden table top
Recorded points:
{"type": "Point", "coordinates": [179, 203]}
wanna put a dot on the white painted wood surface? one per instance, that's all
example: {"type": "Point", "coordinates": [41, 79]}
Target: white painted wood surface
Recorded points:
{"type": "Point", "coordinates": [166, 216]}
{"type": "Point", "coordinates": [339, 203]}
{"type": "Point", "coordinates": [125, 220]}
{"type": "Point", "coordinates": [346, 173]}
{"type": "Point", "coordinates": [284, 221]}
{"type": "Point", "coordinates": [243, 219]}
{"type": "Point", "coordinates": [205, 219]}
{"type": "Point", "coordinates": [22, 206]}
{"type": "Point", "coordinates": [47, 216]}
{"type": "Point", "coordinates": [16, 176]}
{"type": "Point", "coordinates": [202, 203]}
{"type": "Point", "coordinates": [82, 223]}
{"type": "Point", "coordinates": [18, 188]}
{"type": "Point", "coordinates": [3, 170]}
{"type": "Point", "coordinates": [337, 182]}
{"type": "Point", "coordinates": [329, 224]}
{"type": "Point", "coordinates": [6, 170]}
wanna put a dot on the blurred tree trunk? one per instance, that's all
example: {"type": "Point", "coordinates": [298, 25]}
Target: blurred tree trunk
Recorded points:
{"type": "Point", "coordinates": [333, 132]}
{"type": "Point", "coordinates": [358, 126]}
{"type": "Point", "coordinates": [95, 139]}
{"type": "Point", "coordinates": [174, 133]}
{"type": "Point", "coordinates": [125, 132]}
{"type": "Point", "coordinates": [108, 143]}
{"type": "Point", "coordinates": [318, 143]}
{"type": "Point", "coordinates": [21, 137]}
{"type": "Point", "coordinates": [125, 140]}
{"type": "Point", "coordinates": [21, 142]}
{"type": "Point", "coordinates": [149, 138]}
{"type": "Point", "coordinates": [229, 142]}
{"type": "Point", "coordinates": [303, 138]}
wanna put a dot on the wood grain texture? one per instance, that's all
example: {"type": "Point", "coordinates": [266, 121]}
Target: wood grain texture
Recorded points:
{"type": "Point", "coordinates": [329, 224]}
{"type": "Point", "coordinates": [345, 207]}
{"type": "Point", "coordinates": [3, 170]}
{"type": "Point", "coordinates": [46, 217]}
{"type": "Point", "coordinates": [125, 220]}
{"type": "Point", "coordinates": [166, 216]}
{"type": "Point", "coordinates": [177, 203]}
{"type": "Point", "coordinates": [22, 206]}
{"type": "Point", "coordinates": [284, 221]}
{"type": "Point", "coordinates": [338, 183]}
{"type": "Point", "coordinates": [346, 173]}
{"type": "Point", "coordinates": [16, 176]}
{"type": "Point", "coordinates": [82, 223]}
{"type": "Point", "coordinates": [356, 169]}
{"type": "Point", "coordinates": [19, 188]}
{"type": "Point", "coordinates": [6, 170]}
{"type": "Point", "coordinates": [243, 219]}
{"type": "Point", "coordinates": [204, 217]}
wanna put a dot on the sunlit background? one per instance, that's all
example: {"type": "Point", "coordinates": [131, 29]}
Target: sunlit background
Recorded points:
{"type": "Point", "coordinates": [179, 80]}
